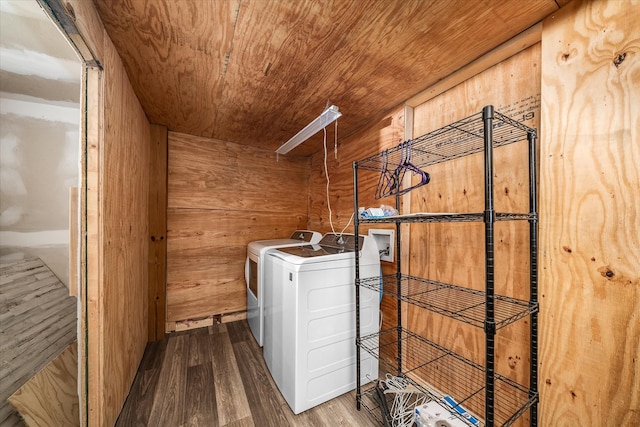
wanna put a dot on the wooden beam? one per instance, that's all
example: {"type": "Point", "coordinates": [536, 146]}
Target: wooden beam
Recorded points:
{"type": "Point", "coordinates": [157, 232]}
{"type": "Point", "coordinates": [74, 241]}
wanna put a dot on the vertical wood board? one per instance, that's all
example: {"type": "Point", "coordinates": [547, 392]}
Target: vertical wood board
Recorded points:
{"type": "Point", "coordinates": [92, 250]}
{"type": "Point", "coordinates": [125, 227]}
{"type": "Point", "coordinates": [74, 240]}
{"type": "Point", "coordinates": [114, 320]}
{"type": "Point", "coordinates": [157, 232]}
{"type": "Point", "coordinates": [590, 215]}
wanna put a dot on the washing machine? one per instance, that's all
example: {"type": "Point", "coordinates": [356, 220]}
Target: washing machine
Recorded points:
{"type": "Point", "coordinates": [309, 309]}
{"type": "Point", "coordinates": [254, 275]}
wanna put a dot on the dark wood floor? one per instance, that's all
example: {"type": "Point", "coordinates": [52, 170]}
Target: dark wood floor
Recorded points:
{"type": "Point", "coordinates": [216, 376]}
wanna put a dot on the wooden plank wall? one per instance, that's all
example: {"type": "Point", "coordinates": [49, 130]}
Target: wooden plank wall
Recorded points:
{"type": "Point", "coordinates": [590, 215]}
{"type": "Point", "coordinates": [115, 196]}
{"type": "Point", "coordinates": [221, 196]}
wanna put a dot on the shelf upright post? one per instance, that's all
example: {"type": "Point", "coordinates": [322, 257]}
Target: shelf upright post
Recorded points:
{"type": "Point", "coordinates": [399, 283]}
{"type": "Point", "coordinates": [533, 276]}
{"type": "Point", "coordinates": [489, 219]}
{"type": "Point", "coordinates": [357, 282]}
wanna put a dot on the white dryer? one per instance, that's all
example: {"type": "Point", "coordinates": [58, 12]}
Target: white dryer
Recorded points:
{"type": "Point", "coordinates": [310, 324]}
{"type": "Point", "coordinates": [254, 276]}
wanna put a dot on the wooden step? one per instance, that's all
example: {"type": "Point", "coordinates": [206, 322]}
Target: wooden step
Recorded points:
{"type": "Point", "coordinates": [50, 398]}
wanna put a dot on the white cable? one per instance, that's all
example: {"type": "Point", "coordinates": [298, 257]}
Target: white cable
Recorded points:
{"type": "Point", "coordinates": [335, 141]}
{"type": "Point", "coordinates": [326, 173]}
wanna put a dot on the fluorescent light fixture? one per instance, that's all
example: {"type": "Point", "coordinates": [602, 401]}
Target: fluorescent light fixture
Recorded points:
{"type": "Point", "coordinates": [327, 117]}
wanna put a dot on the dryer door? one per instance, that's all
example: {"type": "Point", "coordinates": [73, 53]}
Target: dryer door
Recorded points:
{"type": "Point", "coordinates": [254, 297]}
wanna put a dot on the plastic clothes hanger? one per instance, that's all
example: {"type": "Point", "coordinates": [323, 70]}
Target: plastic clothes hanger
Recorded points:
{"type": "Point", "coordinates": [387, 181]}
{"type": "Point", "coordinates": [407, 165]}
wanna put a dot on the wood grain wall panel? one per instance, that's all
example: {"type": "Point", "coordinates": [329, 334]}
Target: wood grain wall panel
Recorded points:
{"type": "Point", "coordinates": [454, 253]}
{"type": "Point", "coordinates": [157, 232]}
{"type": "Point", "coordinates": [590, 216]}
{"type": "Point", "coordinates": [121, 333]}
{"type": "Point", "coordinates": [217, 175]}
{"type": "Point", "coordinates": [222, 196]}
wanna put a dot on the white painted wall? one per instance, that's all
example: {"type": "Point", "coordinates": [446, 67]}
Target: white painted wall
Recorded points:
{"type": "Point", "coordinates": [39, 135]}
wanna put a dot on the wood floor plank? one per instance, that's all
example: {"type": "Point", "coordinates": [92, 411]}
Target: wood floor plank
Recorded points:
{"type": "Point", "coordinates": [239, 333]}
{"type": "Point", "coordinates": [154, 355]}
{"type": "Point", "coordinates": [231, 399]}
{"type": "Point", "coordinates": [168, 406]}
{"type": "Point", "coordinates": [23, 285]}
{"type": "Point", "coordinates": [199, 347]}
{"type": "Point", "coordinates": [262, 400]}
{"type": "Point", "coordinates": [49, 294]}
{"type": "Point", "coordinates": [233, 389]}
{"type": "Point", "coordinates": [245, 422]}
{"type": "Point", "coordinates": [36, 314]}
{"type": "Point", "coordinates": [137, 408]}
{"type": "Point", "coordinates": [200, 407]}
{"type": "Point", "coordinates": [144, 389]}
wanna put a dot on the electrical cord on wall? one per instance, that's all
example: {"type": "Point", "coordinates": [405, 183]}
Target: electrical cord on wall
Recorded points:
{"type": "Point", "coordinates": [326, 173]}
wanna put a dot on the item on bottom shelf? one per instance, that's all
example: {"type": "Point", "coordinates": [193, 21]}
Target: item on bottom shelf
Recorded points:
{"type": "Point", "coordinates": [435, 414]}
{"type": "Point", "coordinates": [460, 410]}
{"type": "Point", "coordinates": [405, 398]}
{"type": "Point", "coordinates": [382, 402]}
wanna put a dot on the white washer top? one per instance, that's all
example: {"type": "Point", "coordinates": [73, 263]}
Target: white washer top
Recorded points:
{"type": "Point", "coordinates": [298, 237]}
{"type": "Point", "coordinates": [331, 248]}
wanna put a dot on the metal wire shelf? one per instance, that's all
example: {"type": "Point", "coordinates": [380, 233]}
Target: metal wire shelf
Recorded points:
{"type": "Point", "coordinates": [458, 139]}
{"type": "Point", "coordinates": [499, 400]}
{"type": "Point", "coordinates": [431, 368]}
{"type": "Point", "coordinates": [463, 304]}
{"type": "Point", "coordinates": [448, 217]}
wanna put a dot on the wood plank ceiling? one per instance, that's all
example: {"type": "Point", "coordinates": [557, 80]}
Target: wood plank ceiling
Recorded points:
{"type": "Point", "coordinates": [257, 71]}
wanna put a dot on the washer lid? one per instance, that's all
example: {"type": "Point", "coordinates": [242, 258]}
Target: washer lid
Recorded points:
{"type": "Point", "coordinates": [256, 246]}
{"type": "Point", "coordinates": [298, 237]}
{"type": "Point", "coordinates": [331, 244]}
{"type": "Point", "coordinates": [306, 236]}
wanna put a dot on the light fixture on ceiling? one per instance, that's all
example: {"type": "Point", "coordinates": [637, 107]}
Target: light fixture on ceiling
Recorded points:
{"type": "Point", "coordinates": [327, 117]}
